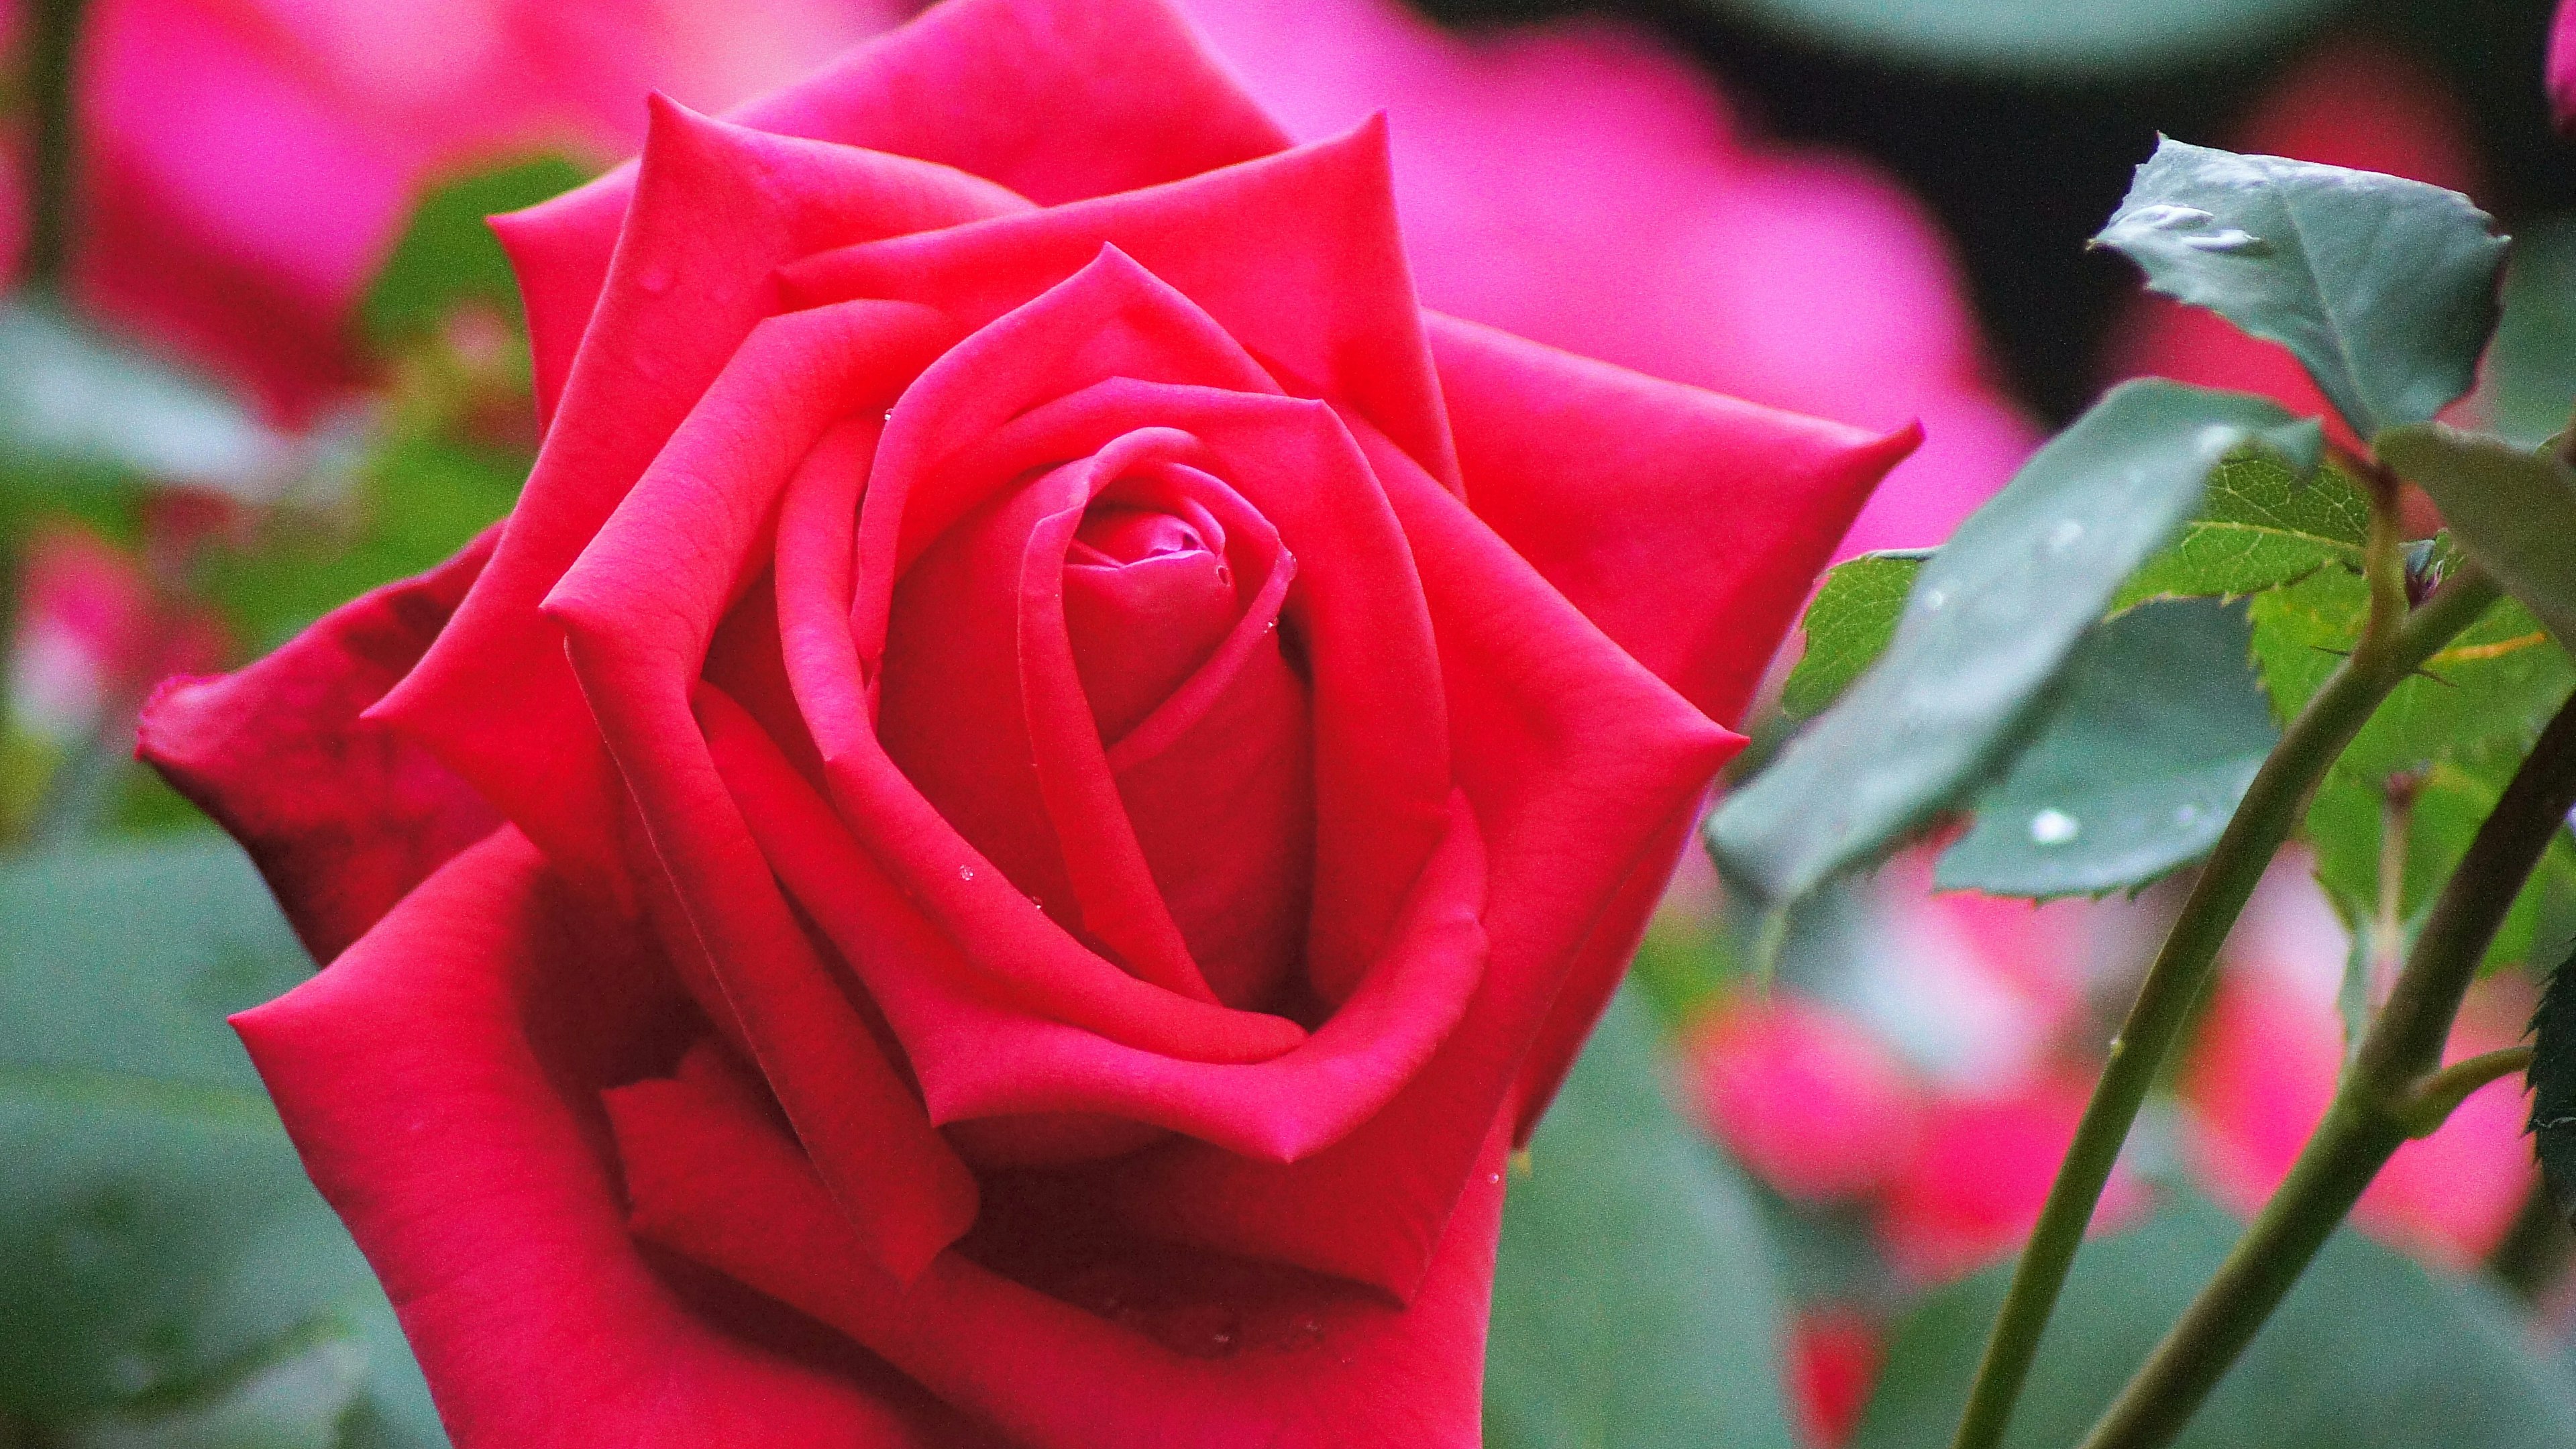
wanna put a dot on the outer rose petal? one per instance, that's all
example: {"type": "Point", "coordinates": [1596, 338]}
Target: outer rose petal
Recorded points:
{"type": "Point", "coordinates": [717, 209]}
{"type": "Point", "coordinates": [1276, 1364]}
{"type": "Point", "coordinates": [1686, 525]}
{"type": "Point", "coordinates": [1056, 102]}
{"type": "Point", "coordinates": [342, 816]}
{"type": "Point", "coordinates": [440, 1081]}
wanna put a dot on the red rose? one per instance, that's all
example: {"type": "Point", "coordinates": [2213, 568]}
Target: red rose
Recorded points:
{"type": "Point", "coordinates": [1070, 768]}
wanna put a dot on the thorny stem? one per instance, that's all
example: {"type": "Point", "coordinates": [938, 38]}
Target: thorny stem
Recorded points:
{"type": "Point", "coordinates": [2395, 1088]}
{"type": "Point", "coordinates": [2386, 657]}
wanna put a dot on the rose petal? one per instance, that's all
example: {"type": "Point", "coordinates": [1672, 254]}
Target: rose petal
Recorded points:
{"type": "Point", "coordinates": [1381, 754]}
{"type": "Point", "coordinates": [1283, 1368]}
{"type": "Point", "coordinates": [1055, 102]}
{"type": "Point", "coordinates": [341, 815]}
{"type": "Point", "coordinates": [1687, 525]}
{"type": "Point", "coordinates": [1577, 762]}
{"type": "Point", "coordinates": [440, 1082]}
{"type": "Point", "coordinates": [716, 208]}
{"type": "Point", "coordinates": [979, 1055]}
{"type": "Point", "coordinates": [981, 707]}
{"type": "Point", "coordinates": [1295, 255]}
{"type": "Point", "coordinates": [639, 609]}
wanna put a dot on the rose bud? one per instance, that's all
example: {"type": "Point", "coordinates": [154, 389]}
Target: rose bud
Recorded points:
{"type": "Point", "coordinates": [1055, 772]}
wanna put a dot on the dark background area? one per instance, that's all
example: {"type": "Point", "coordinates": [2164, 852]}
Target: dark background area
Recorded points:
{"type": "Point", "coordinates": [2021, 170]}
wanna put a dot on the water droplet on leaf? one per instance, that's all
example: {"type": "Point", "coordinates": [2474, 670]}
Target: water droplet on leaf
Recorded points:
{"type": "Point", "coordinates": [2054, 827]}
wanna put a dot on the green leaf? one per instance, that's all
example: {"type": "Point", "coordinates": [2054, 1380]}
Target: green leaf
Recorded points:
{"type": "Point", "coordinates": [1634, 1302]}
{"type": "Point", "coordinates": [2452, 798]}
{"type": "Point", "coordinates": [2552, 1080]}
{"type": "Point", "coordinates": [2384, 288]}
{"type": "Point", "coordinates": [2262, 526]}
{"type": "Point", "coordinates": [158, 1239]}
{"type": "Point", "coordinates": [2156, 733]}
{"type": "Point", "coordinates": [2369, 1351]}
{"type": "Point", "coordinates": [2531, 365]}
{"type": "Point", "coordinates": [298, 1400]}
{"type": "Point", "coordinates": [1848, 626]}
{"type": "Point", "coordinates": [447, 254]}
{"type": "Point", "coordinates": [2514, 511]}
{"type": "Point", "coordinates": [2037, 36]}
{"type": "Point", "coordinates": [1990, 624]}
{"type": "Point", "coordinates": [81, 408]}
{"type": "Point", "coordinates": [2500, 679]}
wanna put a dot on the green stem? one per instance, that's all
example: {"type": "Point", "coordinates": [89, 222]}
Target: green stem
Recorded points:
{"type": "Point", "coordinates": [2423, 1110]}
{"type": "Point", "coordinates": [53, 32]}
{"type": "Point", "coordinates": [2395, 1088]}
{"type": "Point", "coordinates": [2263, 820]}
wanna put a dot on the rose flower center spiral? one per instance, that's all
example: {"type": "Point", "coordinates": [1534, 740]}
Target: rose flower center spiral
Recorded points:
{"type": "Point", "coordinates": [1164, 594]}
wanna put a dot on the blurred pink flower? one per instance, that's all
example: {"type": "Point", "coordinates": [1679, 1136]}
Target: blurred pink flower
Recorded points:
{"type": "Point", "coordinates": [1834, 1354]}
{"type": "Point", "coordinates": [1982, 1171]}
{"type": "Point", "coordinates": [90, 636]}
{"type": "Point", "coordinates": [1977, 991]}
{"type": "Point", "coordinates": [2561, 67]}
{"type": "Point", "coordinates": [2263, 1070]}
{"type": "Point", "coordinates": [251, 160]}
{"type": "Point", "coordinates": [1803, 1096]}
{"type": "Point", "coordinates": [1581, 184]}
{"type": "Point", "coordinates": [2355, 104]}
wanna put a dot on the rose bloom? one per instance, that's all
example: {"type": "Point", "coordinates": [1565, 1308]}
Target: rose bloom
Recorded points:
{"type": "Point", "coordinates": [1045, 777]}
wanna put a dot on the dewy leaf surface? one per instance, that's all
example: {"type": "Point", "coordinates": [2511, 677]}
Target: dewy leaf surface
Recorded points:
{"type": "Point", "coordinates": [2157, 731]}
{"type": "Point", "coordinates": [1985, 633]}
{"type": "Point", "coordinates": [1848, 626]}
{"type": "Point", "coordinates": [2369, 1351]}
{"type": "Point", "coordinates": [158, 1239]}
{"type": "Point", "coordinates": [2262, 526]}
{"type": "Point", "coordinates": [2385, 289]}
{"type": "Point", "coordinates": [1634, 1305]}
{"type": "Point", "coordinates": [2514, 511]}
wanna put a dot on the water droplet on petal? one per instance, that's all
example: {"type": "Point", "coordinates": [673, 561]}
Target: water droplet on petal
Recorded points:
{"type": "Point", "coordinates": [2054, 827]}
{"type": "Point", "coordinates": [965, 872]}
